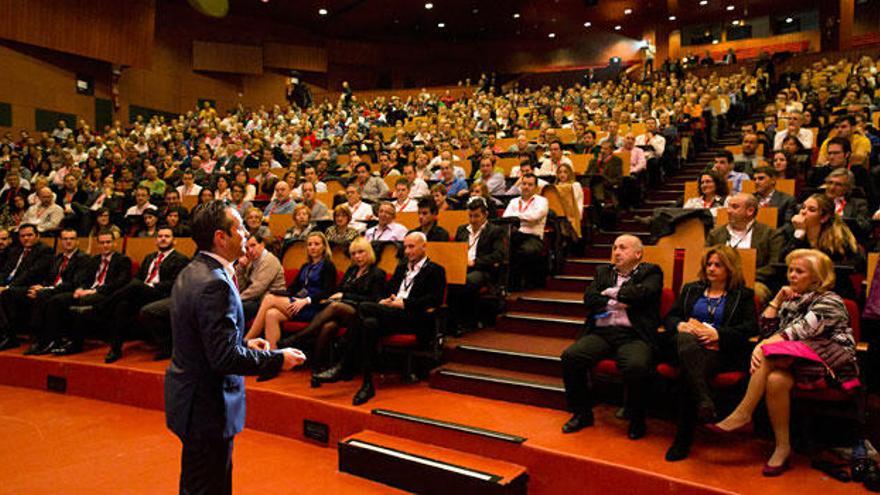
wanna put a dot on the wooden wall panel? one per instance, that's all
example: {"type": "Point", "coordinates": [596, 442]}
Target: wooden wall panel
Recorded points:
{"type": "Point", "coordinates": [227, 57]}
{"type": "Point", "coordinates": [109, 30]}
{"type": "Point", "coordinates": [300, 57]}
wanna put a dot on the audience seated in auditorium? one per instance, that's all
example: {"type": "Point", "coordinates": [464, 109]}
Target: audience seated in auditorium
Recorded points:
{"type": "Point", "coordinates": [315, 282]}
{"type": "Point", "coordinates": [765, 192]}
{"type": "Point", "coordinates": [743, 231]}
{"type": "Point", "coordinates": [804, 318]}
{"type": "Point", "coordinates": [282, 203]}
{"type": "Point", "coordinates": [363, 281]}
{"type": "Point", "coordinates": [360, 211]}
{"type": "Point", "coordinates": [300, 229]}
{"type": "Point", "coordinates": [369, 187]}
{"type": "Point", "coordinates": [153, 281]}
{"type": "Point", "coordinates": [404, 201]}
{"type": "Point", "coordinates": [258, 273]}
{"type": "Point", "coordinates": [839, 186]}
{"type": "Point", "coordinates": [387, 230]}
{"type": "Point", "coordinates": [428, 211]}
{"type": "Point", "coordinates": [46, 214]}
{"type": "Point", "coordinates": [485, 256]}
{"type": "Point", "coordinates": [27, 265]}
{"type": "Point", "coordinates": [623, 305]}
{"type": "Point", "coordinates": [724, 166]}
{"type": "Point", "coordinates": [794, 129]}
{"type": "Point", "coordinates": [108, 271]}
{"type": "Point", "coordinates": [527, 242]}
{"type": "Point", "coordinates": [417, 286]}
{"type": "Point", "coordinates": [713, 193]}
{"type": "Point", "coordinates": [709, 326]}
{"type": "Point", "coordinates": [341, 232]}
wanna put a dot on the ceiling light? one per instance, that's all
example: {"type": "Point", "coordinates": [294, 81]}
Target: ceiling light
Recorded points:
{"type": "Point", "coordinates": [429, 5]}
{"type": "Point", "coordinates": [714, 42]}
{"type": "Point", "coordinates": [475, 11]}
{"type": "Point", "coordinates": [588, 24]}
{"type": "Point", "coordinates": [516, 16]}
{"type": "Point", "coordinates": [627, 11]}
{"type": "Point", "coordinates": [265, 1]}
{"type": "Point", "coordinates": [730, 7]}
{"type": "Point", "coordinates": [551, 35]}
{"type": "Point", "coordinates": [672, 18]}
{"type": "Point", "coordinates": [617, 27]}
{"type": "Point", "coordinates": [789, 20]}
{"type": "Point", "coordinates": [703, 3]}
{"type": "Point", "coordinates": [322, 11]}
{"type": "Point", "coordinates": [735, 23]}
{"type": "Point", "coordinates": [441, 25]}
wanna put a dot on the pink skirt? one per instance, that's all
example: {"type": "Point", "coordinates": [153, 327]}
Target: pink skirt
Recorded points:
{"type": "Point", "coordinates": [810, 369]}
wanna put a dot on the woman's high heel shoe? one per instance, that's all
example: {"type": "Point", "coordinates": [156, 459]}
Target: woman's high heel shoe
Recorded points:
{"type": "Point", "coordinates": [772, 471]}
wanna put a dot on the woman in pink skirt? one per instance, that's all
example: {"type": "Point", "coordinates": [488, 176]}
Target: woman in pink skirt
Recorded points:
{"type": "Point", "coordinates": [809, 344]}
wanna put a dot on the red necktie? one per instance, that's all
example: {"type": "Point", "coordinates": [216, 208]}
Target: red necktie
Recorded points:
{"type": "Point", "coordinates": [235, 280]}
{"type": "Point", "coordinates": [155, 271]}
{"type": "Point", "coordinates": [105, 263]}
{"type": "Point", "coordinates": [61, 269]}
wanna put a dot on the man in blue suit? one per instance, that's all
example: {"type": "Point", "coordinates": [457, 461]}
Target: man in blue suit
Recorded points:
{"type": "Point", "coordinates": [204, 389]}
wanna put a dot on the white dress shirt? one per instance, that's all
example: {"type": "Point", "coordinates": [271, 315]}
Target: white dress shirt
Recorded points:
{"type": "Point", "coordinates": [532, 214]}
{"type": "Point", "coordinates": [391, 232]}
{"type": "Point", "coordinates": [407, 282]}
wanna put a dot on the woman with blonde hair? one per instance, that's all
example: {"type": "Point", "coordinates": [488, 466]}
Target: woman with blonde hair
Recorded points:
{"type": "Point", "coordinates": [315, 282]}
{"type": "Point", "coordinates": [710, 325]}
{"type": "Point", "coordinates": [363, 281]}
{"type": "Point", "coordinates": [808, 344]}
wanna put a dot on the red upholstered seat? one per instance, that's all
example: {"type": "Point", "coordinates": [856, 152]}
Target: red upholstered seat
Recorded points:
{"type": "Point", "coordinates": [401, 340]}
{"type": "Point", "coordinates": [824, 394]}
{"type": "Point", "coordinates": [294, 326]}
{"type": "Point", "coordinates": [667, 299]}
{"type": "Point", "coordinates": [726, 379]}
{"type": "Point", "coordinates": [855, 318]}
{"type": "Point", "coordinates": [607, 367]}
{"type": "Point", "coordinates": [290, 275]}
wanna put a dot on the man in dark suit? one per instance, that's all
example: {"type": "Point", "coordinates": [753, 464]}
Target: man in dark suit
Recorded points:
{"type": "Point", "coordinates": [767, 195]}
{"type": "Point", "coordinates": [623, 304]}
{"type": "Point", "coordinates": [838, 187]}
{"type": "Point", "coordinates": [106, 273]}
{"type": "Point", "coordinates": [744, 232]}
{"type": "Point", "coordinates": [428, 222]}
{"type": "Point", "coordinates": [417, 285]}
{"type": "Point", "coordinates": [64, 275]}
{"type": "Point", "coordinates": [486, 251]}
{"type": "Point", "coordinates": [204, 389]}
{"type": "Point", "coordinates": [27, 264]}
{"type": "Point", "coordinates": [153, 281]}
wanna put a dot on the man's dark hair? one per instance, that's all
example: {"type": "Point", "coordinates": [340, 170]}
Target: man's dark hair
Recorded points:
{"type": "Point", "coordinates": [843, 143]}
{"type": "Point", "coordinates": [165, 227]}
{"type": "Point", "coordinates": [359, 166]}
{"type": "Point", "coordinates": [766, 169]}
{"type": "Point", "coordinates": [849, 118]}
{"type": "Point", "coordinates": [143, 188]}
{"type": "Point", "coordinates": [726, 154]}
{"type": "Point", "coordinates": [530, 176]}
{"type": "Point", "coordinates": [236, 185]}
{"type": "Point", "coordinates": [258, 237]}
{"type": "Point", "coordinates": [28, 226]}
{"type": "Point", "coordinates": [68, 229]}
{"type": "Point", "coordinates": [591, 132]}
{"type": "Point", "coordinates": [475, 204]}
{"type": "Point", "coordinates": [400, 181]}
{"type": "Point", "coordinates": [106, 232]}
{"type": "Point", "coordinates": [172, 191]}
{"type": "Point", "coordinates": [188, 172]}
{"type": "Point", "coordinates": [429, 204]}
{"type": "Point", "coordinates": [211, 218]}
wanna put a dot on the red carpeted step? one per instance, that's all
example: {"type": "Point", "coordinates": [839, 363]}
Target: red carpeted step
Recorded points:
{"type": "Point", "coordinates": [564, 303]}
{"type": "Point", "coordinates": [491, 348]}
{"type": "Point", "coordinates": [428, 469]}
{"type": "Point", "coordinates": [506, 385]}
{"type": "Point", "coordinates": [665, 194]}
{"type": "Point", "coordinates": [598, 250]}
{"type": "Point", "coordinates": [547, 325]}
{"type": "Point", "coordinates": [569, 283]}
{"type": "Point", "coordinates": [583, 266]}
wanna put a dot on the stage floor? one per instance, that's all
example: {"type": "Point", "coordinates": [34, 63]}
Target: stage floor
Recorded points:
{"type": "Point", "coordinates": [58, 444]}
{"type": "Point", "coordinates": [557, 463]}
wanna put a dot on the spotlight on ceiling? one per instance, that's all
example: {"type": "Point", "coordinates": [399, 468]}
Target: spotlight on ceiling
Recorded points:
{"type": "Point", "coordinates": [703, 3]}
{"type": "Point", "coordinates": [429, 5]}
{"type": "Point", "coordinates": [588, 24]}
{"type": "Point", "coordinates": [730, 7]}
{"type": "Point", "coordinates": [322, 11]}
{"type": "Point", "coordinates": [516, 16]}
{"type": "Point", "coordinates": [714, 42]}
{"type": "Point", "coordinates": [789, 20]}
{"type": "Point", "coordinates": [627, 11]}
{"type": "Point", "coordinates": [672, 18]}
{"type": "Point", "coordinates": [441, 25]}
{"type": "Point", "coordinates": [617, 27]}
{"type": "Point", "coordinates": [551, 35]}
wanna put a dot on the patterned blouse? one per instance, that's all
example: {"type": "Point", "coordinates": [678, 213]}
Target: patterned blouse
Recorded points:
{"type": "Point", "coordinates": [813, 316]}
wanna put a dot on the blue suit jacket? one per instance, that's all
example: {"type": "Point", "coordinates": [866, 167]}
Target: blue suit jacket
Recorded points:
{"type": "Point", "coordinates": [204, 389]}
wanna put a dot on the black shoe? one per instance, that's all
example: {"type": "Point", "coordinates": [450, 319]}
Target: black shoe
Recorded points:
{"type": "Point", "coordinates": [8, 342]}
{"type": "Point", "coordinates": [637, 429]}
{"type": "Point", "coordinates": [706, 411]}
{"type": "Point", "coordinates": [578, 422]}
{"type": "Point", "coordinates": [67, 348]}
{"type": "Point", "coordinates": [331, 375]}
{"type": "Point", "coordinates": [862, 468]}
{"type": "Point", "coordinates": [365, 393]}
{"type": "Point", "coordinates": [678, 451]}
{"type": "Point", "coordinates": [113, 355]}
{"type": "Point", "coordinates": [315, 383]}
{"type": "Point", "coordinates": [39, 349]}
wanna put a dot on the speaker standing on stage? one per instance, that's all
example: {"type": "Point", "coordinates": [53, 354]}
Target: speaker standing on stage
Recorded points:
{"type": "Point", "coordinates": [204, 389]}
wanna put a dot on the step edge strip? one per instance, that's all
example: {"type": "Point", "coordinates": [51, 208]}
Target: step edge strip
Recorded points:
{"type": "Point", "coordinates": [507, 352]}
{"type": "Point", "coordinates": [549, 299]}
{"type": "Point", "coordinates": [448, 425]}
{"type": "Point", "coordinates": [549, 319]}
{"type": "Point", "coordinates": [471, 473]}
{"type": "Point", "coordinates": [503, 381]}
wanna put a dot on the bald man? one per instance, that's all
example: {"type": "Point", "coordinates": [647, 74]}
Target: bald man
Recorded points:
{"type": "Point", "coordinates": [623, 304]}
{"type": "Point", "coordinates": [46, 215]}
{"type": "Point", "coordinates": [417, 285]}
